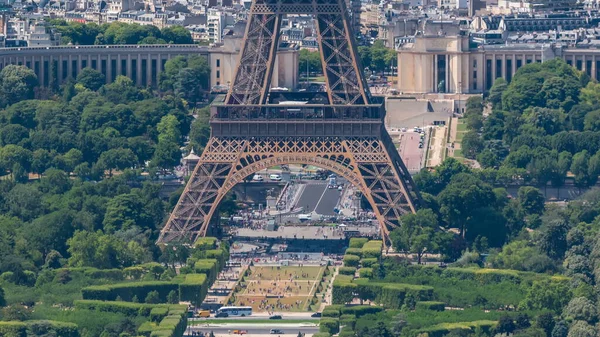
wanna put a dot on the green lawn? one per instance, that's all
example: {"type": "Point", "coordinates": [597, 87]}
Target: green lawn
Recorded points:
{"type": "Point", "coordinates": [461, 127]}
{"type": "Point", "coordinates": [459, 136]}
{"type": "Point", "coordinates": [458, 153]}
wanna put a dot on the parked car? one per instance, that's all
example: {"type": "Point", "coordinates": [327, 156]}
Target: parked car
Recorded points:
{"type": "Point", "coordinates": [276, 317]}
{"type": "Point", "coordinates": [316, 314]}
{"type": "Point", "coordinates": [276, 331]}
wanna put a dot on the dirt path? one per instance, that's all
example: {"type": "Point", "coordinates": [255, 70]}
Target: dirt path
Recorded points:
{"type": "Point", "coordinates": [327, 300]}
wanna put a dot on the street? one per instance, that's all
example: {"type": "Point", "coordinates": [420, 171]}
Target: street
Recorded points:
{"type": "Point", "coordinates": [253, 329]}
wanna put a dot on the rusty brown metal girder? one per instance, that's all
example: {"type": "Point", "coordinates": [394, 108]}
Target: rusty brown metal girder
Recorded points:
{"type": "Point", "coordinates": [379, 181]}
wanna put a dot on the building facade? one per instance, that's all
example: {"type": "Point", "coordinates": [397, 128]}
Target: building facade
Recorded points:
{"type": "Point", "coordinates": [453, 64]}
{"type": "Point", "coordinates": [142, 63]}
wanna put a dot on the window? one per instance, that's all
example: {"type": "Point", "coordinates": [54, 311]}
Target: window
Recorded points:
{"type": "Point", "coordinates": [474, 63]}
{"type": "Point", "coordinates": [218, 74]}
{"type": "Point", "coordinates": [218, 62]}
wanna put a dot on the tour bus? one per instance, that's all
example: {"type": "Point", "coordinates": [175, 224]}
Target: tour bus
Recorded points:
{"type": "Point", "coordinates": [236, 311]}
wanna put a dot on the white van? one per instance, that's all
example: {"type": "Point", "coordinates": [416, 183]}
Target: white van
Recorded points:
{"type": "Point", "coordinates": [257, 177]}
{"type": "Point", "coordinates": [304, 216]}
{"type": "Point", "coordinates": [275, 177]}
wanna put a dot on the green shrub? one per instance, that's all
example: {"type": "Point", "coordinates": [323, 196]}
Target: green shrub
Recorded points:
{"type": "Point", "coordinates": [329, 325]}
{"type": "Point", "coordinates": [193, 288]}
{"type": "Point", "coordinates": [332, 311]}
{"type": "Point", "coordinates": [360, 310]}
{"type": "Point", "coordinates": [62, 329]}
{"type": "Point", "coordinates": [146, 328]}
{"type": "Point", "coordinates": [348, 321]}
{"type": "Point", "coordinates": [322, 334]}
{"type": "Point", "coordinates": [431, 305]}
{"type": "Point", "coordinates": [351, 260]}
{"type": "Point", "coordinates": [110, 274]}
{"type": "Point", "coordinates": [368, 262]}
{"type": "Point", "coordinates": [347, 333]}
{"type": "Point", "coordinates": [347, 271]}
{"type": "Point", "coordinates": [13, 329]}
{"type": "Point", "coordinates": [205, 243]}
{"type": "Point", "coordinates": [366, 272]}
{"type": "Point", "coordinates": [372, 249]}
{"type": "Point", "coordinates": [357, 242]}
{"type": "Point", "coordinates": [124, 308]}
{"type": "Point", "coordinates": [440, 330]}
{"type": "Point", "coordinates": [391, 295]}
{"type": "Point", "coordinates": [354, 251]}
{"type": "Point", "coordinates": [126, 291]}
{"type": "Point", "coordinates": [158, 313]}
{"type": "Point", "coordinates": [207, 267]}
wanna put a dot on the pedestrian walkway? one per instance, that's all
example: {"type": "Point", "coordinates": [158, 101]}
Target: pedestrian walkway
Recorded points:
{"type": "Point", "coordinates": [328, 294]}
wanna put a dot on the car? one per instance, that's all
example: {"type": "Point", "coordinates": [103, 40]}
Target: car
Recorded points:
{"type": "Point", "coordinates": [276, 331]}
{"type": "Point", "coordinates": [239, 332]}
{"type": "Point", "coordinates": [276, 317]}
{"type": "Point", "coordinates": [221, 315]}
{"type": "Point", "coordinates": [316, 315]}
{"type": "Point", "coordinates": [257, 177]}
{"type": "Point", "coordinates": [421, 146]}
{"type": "Point", "coordinates": [275, 177]}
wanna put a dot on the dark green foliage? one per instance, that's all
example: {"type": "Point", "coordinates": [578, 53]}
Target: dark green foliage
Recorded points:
{"type": "Point", "coordinates": [329, 325]}
{"type": "Point", "coordinates": [430, 305]}
{"type": "Point", "coordinates": [128, 290]}
{"type": "Point", "coordinates": [357, 242]}
{"type": "Point", "coordinates": [351, 260]}
{"type": "Point", "coordinates": [347, 271]}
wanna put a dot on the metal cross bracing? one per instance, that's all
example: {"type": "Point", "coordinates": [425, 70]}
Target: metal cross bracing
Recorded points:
{"type": "Point", "coordinates": [251, 131]}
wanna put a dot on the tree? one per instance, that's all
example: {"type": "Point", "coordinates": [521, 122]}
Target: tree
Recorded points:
{"type": "Point", "coordinates": [15, 312]}
{"type": "Point", "coordinates": [166, 155]}
{"type": "Point", "coordinates": [532, 201]}
{"type": "Point", "coordinates": [91, 79]}
{"type": "Point", "coordinates": [17, 84]}
{"type": "Point", "coordinates": [119, 159]}
{"type": "Point", "coordinates": [581, 309]}
{"type": "Point", "coordinates": [546, 295]}
{"type": "Point", "coordinates": [172, 297]}
{"type": "Point", "coordinates": [311, 61]}
{"type": "Point", "coordinates": [560, 329]}
{"type": "Point", "coordinates": [579, 167]}
{"type": "Point", "coordinates": [2, 299]}
{"type": "Point", "coordinates": [124, 212]}
{"type": "Point", "coordinates": [495, 95]}
{"type": "Point", "coordinates": [581, 329]}
{"type": "Point", "coordinates": [505, 325]}
{"type": "Point", "coordinates": [416, 234]}
{"type": "Point", "coordinates": [177, 35]}
{"type": "Point", "coordinates": [152, 297]}
{"type": "Point", "coordinates": [553, 239]}
{"type": "Point", "coordinates": [471, 144]}
{"type": "Point", "coordinates": [545, 322]}
{"type": "Point", "coordinates": [191, 83]}
{"type": "Point", "coordinates": [10, 155]}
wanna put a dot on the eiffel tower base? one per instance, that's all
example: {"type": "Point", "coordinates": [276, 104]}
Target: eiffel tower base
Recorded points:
{"type": "Point", "coordinates": [371, 164]}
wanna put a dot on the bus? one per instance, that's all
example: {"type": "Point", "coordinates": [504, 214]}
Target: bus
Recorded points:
{"type": "Point", "coordinates": [236, 311]}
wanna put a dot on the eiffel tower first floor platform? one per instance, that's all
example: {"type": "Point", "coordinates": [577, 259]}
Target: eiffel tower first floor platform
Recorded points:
{"type": "Point", "coordinates": [370, 163]}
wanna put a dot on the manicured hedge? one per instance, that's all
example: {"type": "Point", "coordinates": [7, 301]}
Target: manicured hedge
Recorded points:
{"type": "Point", "coordinates": [158, 313]}
{"type": "Point", "coordinates": [111, 274]}
{"type": "Point", "coordinates": [360, 310]}
{"type": "Point", "coordinates": [347, 271]}
{"type": "Point", "coordinates": [431, 305]}
{"type": "Point", "coordinates": [366, 272]}
{"type": "Point", "coordinates": [357, 242]}
{"type": "Point", "coordinates": [347, 333]}
{"type": "Point", "coordinates": [13, 329]}
{"type": "Point", "coordinates": [440, 330]}
{"type": "Point", "coordinates": [351, 260]}
{"type": "Point", "coordinates": [207, 267]}
{"type": "Point", "coordinates": [329, 325]}
{"type": "Point", "coordinates": [368, 262]}
{"type": "Point", "coordinates": [206, 243]}
{"type": "Point", "coordinates": [354, 251]}
{"type": "Point", "coordinates": [125, 308]}
{"type": "Point", "coordinates": [221, 255]}
{"type": "Point", "coordinates": [391, 295]}
{"type": "Point", "coordinates": [372, 249]}
{"type": "Point", "coordinates": [127, 291]}
{"type": "Point", "coordinates": [172, 325]}
{"type": "Point", "coordinates": [193, 288]}
{"type": "Point", "coordinates": [348, 321]}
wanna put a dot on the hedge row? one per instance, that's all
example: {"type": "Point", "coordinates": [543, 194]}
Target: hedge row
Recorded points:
{"type": "Point", "coordinates": [354, 251]}
{"type": "Point", "coordinates": [431, 305]}
{"type": "Point", "coordinates": [357, 242]}
{"type": "Point", "coordinates": [171, 325]}
{"type": "Point", "coordinates": [21, 329]}
{"type": "Point", "coordinates": [207, 267]}
{"type": "Point", "coordinates": [206, 243]}
{"type": "Point", "coordinates": [329, 325]}
{"type": "Point", "coordinates": [440, 330]}
{"type": "Point", "coordinates": [337, 310]}
{"type": "Point", "coordinates": [193, 288]}
{"type": "Point", "coordinates": [221, 255]}
{"type": "Point", "coordinates": [348, 321]}
{"type": "Point", "coordinates": [347, 271]}
{"type": "Point", "coordinates": [366, 272]}
{"type": "Point", "coordinates": [368, 262]}
{"type": "Point", "coordinates": [372, 249]}
{"type": "Point", "coordinates": [126, 308]}
{"type": "Point", "coordinates": [127, 291]}
{"type": "Point", "coordinates": [351, 260]}
{"type": "Point", "coordinates": [391, 295]}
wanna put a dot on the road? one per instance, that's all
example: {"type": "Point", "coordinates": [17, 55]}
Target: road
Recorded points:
{"type": "Point", "coordinates": [254, 329]}
{"type": "Point", "coordinates": [410, 152]}
{"type": "Point", "coordinates": [317, 198]}
{"type": "Point", "coordinates": [328, 201]}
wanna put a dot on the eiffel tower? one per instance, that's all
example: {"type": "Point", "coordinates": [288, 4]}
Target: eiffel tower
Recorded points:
{"type": "Point", "coordinates": [253, 128]}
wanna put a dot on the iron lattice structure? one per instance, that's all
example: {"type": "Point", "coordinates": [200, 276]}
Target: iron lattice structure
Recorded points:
{"type": "Point", "coordinates": [252, 129]}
